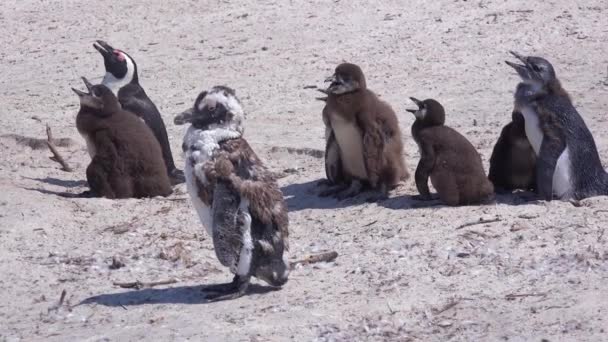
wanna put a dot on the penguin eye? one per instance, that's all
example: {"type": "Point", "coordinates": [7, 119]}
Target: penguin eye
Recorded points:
{"type": "Point", "coordinates": [211, 108]}
{"type": "Point", "coordinates": [536, 68]}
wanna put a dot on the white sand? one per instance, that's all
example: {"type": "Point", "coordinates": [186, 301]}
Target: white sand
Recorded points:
{"type": "Point", "coordinates": [398, 267]}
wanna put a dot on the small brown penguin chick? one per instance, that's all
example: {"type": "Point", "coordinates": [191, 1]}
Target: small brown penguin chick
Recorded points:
{"type": "Point", "coordinates": [513, 161]}
{"type": "Point", "coordinates": [450, 160]}
{"type": "Point", "coordinates": [126, 157]}
{"type": "Point", "coordinates": [363, 139]}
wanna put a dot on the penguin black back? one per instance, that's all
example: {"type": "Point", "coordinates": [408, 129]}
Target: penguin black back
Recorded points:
{"type": "Point", "coordinates": [123, 79]}
{"type": "Point", "coordinates": [127, 160]}
{"type": "Point", "coordinates": [448, 158]}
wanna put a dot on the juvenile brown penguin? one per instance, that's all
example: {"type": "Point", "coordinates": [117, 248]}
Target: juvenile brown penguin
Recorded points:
{"type": "Point", "coordinates": [450, 160]}
{"type": "Point", "coordinates": [568, 164]}
{"type": "Point", "coordinates": [363, 139]}
{"type": "Point", "coordinates": [126, 157]}
{"type": "Point", "coordinates": [513, 161]}
{"type": "Point", "coordinates": [237, 199]}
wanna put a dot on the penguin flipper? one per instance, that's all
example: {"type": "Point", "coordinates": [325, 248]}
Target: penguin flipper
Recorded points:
{"type": "Point", "coordinates": [373, 151]}
{"type": "Point", "coordinates": [550, 150]}
{"type": "Point", "coordinates": [102, 165]}
{"type": "Point", "coordinates": [333, 162]}
{"type": "Point", "coordinates": [227, 237]}
{"type": "Point", "coordinates": [425, 167]}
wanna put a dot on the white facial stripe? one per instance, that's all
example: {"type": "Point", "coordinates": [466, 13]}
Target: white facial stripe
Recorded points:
{"type": "Point", "coordinates": [114, 83]}
{"type": "Point", "coordinates": [230, 102]}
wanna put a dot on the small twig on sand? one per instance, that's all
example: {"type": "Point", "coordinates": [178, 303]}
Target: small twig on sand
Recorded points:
{"type": "Point", "coordinates": [452, 303]}
{"type": "Point", "coordinates": [480, 221]}
{"type": "Point", "coordinates": [140, 285]}
{"type": "Point", "coordinates": [56, 156]}
{"type": "Point", "coordinates": [60, 303]}
{"type": "Point", "coordinates": [512, 296]}
{"type": "Point", "coordinates": [312, 259]}
{"type": "Point", "coordinates": [369, 224]}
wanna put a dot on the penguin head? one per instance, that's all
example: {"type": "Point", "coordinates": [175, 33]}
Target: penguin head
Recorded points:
{"type": "Point", "coordinates": [273, 269]}
{"type": "Point", "coordinates": [347, 78]}
{"type": "Point", "coordinates": [118, 64]}
{"type": "Point", "coordinates": [429, 112]}
{"type": "Point", "coordinates": [98, 99]}
{"type": "Point", "coordinates": [533, 69]}
{"type": "Point", "coordinates": [216, 108]}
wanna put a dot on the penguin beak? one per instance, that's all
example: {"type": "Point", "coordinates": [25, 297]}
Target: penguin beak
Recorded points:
{"type": "Point", "coordinates": [331, 79]}
{"type": "Point", "coordinates": [79, 93]}
{"type": "Point", "coordinates": [522, 69]}
{"type": "Point", "coordinates": [104, 48]}
{"type": "Point", "coordinates": [184, 117]}
{"type": "Point", "coordinates": [87, 84]}
{"type": "Point", "coordinates": [417, 112]}
{"type": "Point", "coordinates": [416, 101]}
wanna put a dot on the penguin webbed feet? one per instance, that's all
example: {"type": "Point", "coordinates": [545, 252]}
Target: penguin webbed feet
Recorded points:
{"type": "Point", "coordinates": [425, 197]}
{"type": "Point", "coordinates": [176, 177]}
{"type": "Point", "coordinates": [226, 291]}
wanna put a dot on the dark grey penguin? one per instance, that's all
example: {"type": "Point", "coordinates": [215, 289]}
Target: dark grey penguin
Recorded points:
{"type": "Point", "coordinates": [121, 77]}
{"type": "Point", "coordinates": [568, 165]}
{"type": "Point", "coordinates": [447, 158]}
{"type": "Point", "coordinates": [513, 161]}
{"type": "Point", "coordinates": [237, 199]}
{"type": "Point", "coordinates": [126, 159]}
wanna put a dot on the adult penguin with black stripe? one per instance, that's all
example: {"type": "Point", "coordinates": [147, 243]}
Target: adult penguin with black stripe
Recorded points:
{"type": "Point", "coordinates": [122, 79]}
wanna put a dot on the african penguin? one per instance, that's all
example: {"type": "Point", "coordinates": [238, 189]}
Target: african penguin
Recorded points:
{"type": "Point", "coordinates": [568, 164]}
{"type": "Point", "coordinates": [451, 161]}
{"type": "Point", "coordinates": [363, 138]}
{"type": "Point", "coordinates": [237, 199]}
{"type": "Point", "coordinates": [513, 161]}
{"type": "Point", "coordinates": [126, 160]}
{"type": "Point", "coordinates": [121, 77]}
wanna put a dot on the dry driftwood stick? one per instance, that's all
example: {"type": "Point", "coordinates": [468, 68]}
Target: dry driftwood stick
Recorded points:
{"type": "Point", "coordinates": [480, 221]}
{"type": "Point", "coordinates": [512, 296]}
{"type": "Point", "coordinates": [312, 259]}
{"type": "Point", "coordinates": [56, 156]}
{"type": "Point", "coordinates": [140, 285]}
{"type": "Point", "coordinates": [452, 303]}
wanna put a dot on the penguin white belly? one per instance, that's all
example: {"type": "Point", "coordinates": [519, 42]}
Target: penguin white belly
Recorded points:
{"type": "Point", "coordinates": [90, 146]}
{"type": "Point", "coordinates": [350, 140]}
{"type": "Point", "coordinates": [203, 211]}
{"type": "Point", "coordinates": [533, 131]}
{"type": "Point", "coordinates": [562, 181]}
{"type": "Point", "coordinates": [246, 254]}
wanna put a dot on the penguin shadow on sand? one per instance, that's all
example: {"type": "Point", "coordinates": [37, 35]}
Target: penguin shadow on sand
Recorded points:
{"type": "Point", "coordinates": [67, 184]}
{"type": "Point", "coordinates": [175, 295]}
{"type": "Point", "coordinates": [300, 196]}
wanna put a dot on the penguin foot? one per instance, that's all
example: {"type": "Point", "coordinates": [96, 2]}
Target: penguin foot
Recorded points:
{"type": "Point", "coordinates": [353, 190]}
{"type": "Point", "coordinates": [86, 194]}
{"type": "Point", "coordinates": [176, 177]}
{"type": "Point", "coordinates": [429, 197]}
{"type": "Point", "coordinates": [235, 289]}
{"type": "Point", "coordinates": [332, 190]}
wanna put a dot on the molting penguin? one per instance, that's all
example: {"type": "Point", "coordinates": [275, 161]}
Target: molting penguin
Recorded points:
{"type": "Point", "coordinates": [568, 164]}
{"type": "Point", "coordinates": [121, 77]}
{"type": "Point", "coordinates": [448, 158]}
{"type": "Point", "coordinates": [126, 158]}
{"type": "Point", "coordinates": [513, 161]}
{"type": "Point", "coordinates": [363, 139]}
{"type": "Point", "coordinates": [236, 197]}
